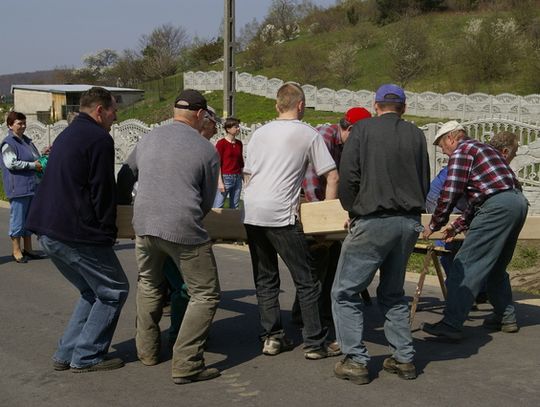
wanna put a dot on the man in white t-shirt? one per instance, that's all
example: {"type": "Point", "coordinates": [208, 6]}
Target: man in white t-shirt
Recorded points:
{"type": "Point", "coordinates": [277, 157]}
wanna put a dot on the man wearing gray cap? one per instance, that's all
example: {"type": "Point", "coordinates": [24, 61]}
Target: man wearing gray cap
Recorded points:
{"type": "Point", "coordinates": [384, 181]}
{"type": "Point", "coordinates": [493, 219]}
{"type": "Point", "coordinates": [177, 171]}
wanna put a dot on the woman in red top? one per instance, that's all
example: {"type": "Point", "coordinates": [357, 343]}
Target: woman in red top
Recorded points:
{"type": "Point", "coordinates": [232, 163]}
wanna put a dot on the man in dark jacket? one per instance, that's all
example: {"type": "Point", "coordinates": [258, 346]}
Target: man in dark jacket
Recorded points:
{"type": "Point", "coordinates": [384, 182]}
{"type": "Point", "coordinates": [74, 213]}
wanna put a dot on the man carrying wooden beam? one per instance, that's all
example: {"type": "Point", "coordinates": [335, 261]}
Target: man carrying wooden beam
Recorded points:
{"type": "Point", "coordinates": [277, 157]}
{"type": "Point", "coordinates": [325, 253]}
{"type": "Point", "coordinates": [384, 182]}
{"type": "Point", "coordinates": [493, 219]}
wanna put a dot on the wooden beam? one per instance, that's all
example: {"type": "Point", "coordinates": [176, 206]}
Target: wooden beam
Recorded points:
{"type": "Point", "coordinates": [318, 218]}
{"type": "Point", "coordinates": [221, 224]}
{"type": "Point", "coordinates": [328, 218]}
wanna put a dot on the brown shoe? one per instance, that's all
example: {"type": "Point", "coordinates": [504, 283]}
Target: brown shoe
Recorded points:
{"type": "Point", "coordinates": [105, 364]}
{"type": "Point", "coordinates": [405, 371]}
{"type": "Point", "coordinates": [347, 369]}
{"type": "Point", "coordinates": [207, 374]}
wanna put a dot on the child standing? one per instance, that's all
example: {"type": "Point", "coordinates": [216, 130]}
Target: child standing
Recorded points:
{"type": "Point", "coordinates": [232, 163]}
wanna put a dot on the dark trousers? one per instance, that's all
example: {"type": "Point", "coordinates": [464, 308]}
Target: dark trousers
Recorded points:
{"type": "Point", "coordinates": [265, 243]}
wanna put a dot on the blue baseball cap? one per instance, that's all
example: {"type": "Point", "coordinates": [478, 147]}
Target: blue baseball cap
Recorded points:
{"type": "Point", "coordinates": [390, 93]}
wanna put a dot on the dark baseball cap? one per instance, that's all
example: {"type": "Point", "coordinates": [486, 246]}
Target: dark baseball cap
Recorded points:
{"type": "Point", "coordinates": [390, 93]}
{"type": "Point", "coordinates": [190, 99]}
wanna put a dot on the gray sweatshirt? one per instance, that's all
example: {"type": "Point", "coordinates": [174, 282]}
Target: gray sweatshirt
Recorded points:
{"type": "Point", "coordinates": [177, 171]}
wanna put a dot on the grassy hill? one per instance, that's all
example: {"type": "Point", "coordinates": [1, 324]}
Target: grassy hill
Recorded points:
{"type": "Point", "coordinates": [447, 57]}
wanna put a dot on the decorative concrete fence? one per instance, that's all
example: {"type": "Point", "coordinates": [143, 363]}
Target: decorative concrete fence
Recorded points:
{"type": "Point", "coordinates": [450, 105]}
{"type": "Point", "coordinates": [526, 164]}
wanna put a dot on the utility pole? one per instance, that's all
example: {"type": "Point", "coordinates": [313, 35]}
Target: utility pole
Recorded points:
{"type": "Point", "coordinates": [229, 68]}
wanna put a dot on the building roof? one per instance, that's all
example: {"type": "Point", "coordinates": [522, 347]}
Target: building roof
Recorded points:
{"type": "Point", "coordinates": [68, 88]}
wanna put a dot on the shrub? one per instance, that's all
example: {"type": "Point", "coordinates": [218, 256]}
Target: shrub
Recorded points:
{"type": "Point", "coordinates": [408, 51]}
{"type": "Point", "coordinates": [490, 48]}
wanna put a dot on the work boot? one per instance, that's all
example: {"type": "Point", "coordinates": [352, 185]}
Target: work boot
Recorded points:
{"type": "Point", "coordinates": [494, 322]}
{"type": "Point", "coordinates": [274, 345]}
{"type": "Point", "coordinates": [348, 369]}
{"type": "Point", "coordinates": [207, 374]}
{"type": "Point", "coordinates": [105, 364]}
{"type": "Point", "coordinates": [442, 329]}
{"type": "Point", "coordinates": [405, 371]}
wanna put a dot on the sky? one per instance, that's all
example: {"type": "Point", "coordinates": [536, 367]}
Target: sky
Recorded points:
{"type": "Point", "coordinates": [44, 34]}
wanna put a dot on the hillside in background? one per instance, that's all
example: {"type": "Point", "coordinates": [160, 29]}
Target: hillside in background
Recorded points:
{"type": "Point", "coordinates": [490, 50]}
{"type": "Point", "coordinates": [50, 76]}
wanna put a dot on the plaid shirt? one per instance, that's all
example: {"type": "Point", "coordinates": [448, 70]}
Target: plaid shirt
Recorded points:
{"type": "Point", "coordinates": [314, 186]}
{"type": "Point", "coordinates": [476, 171]}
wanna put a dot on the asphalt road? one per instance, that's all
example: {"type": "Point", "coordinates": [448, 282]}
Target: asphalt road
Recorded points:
{"type": "Point", "coordinates": [486, 369]}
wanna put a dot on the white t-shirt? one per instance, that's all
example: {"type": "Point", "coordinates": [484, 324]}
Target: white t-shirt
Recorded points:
{"type": "Point", "coordinates": [277, 157]}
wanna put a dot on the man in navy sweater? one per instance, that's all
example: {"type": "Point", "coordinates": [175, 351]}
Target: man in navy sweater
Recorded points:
{"type": "Point", "coordinates": [74, 213]}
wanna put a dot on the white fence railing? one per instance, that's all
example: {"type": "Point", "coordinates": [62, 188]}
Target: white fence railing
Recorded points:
{"type": "Point", "coordinates": [526, 164]}
{"type": "Point", "coordinates": [450, 105]}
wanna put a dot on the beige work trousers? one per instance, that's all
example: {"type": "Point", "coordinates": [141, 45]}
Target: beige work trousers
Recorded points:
{"type": "Point", "coordinates": [198, 268]}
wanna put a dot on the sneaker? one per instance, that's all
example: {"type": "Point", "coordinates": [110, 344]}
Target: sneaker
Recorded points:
{"type": "Point", "coordinates": [494, 322]}
{"type": "Point", "coordinates": [105, 364]}
{"type": "Point", "coordinates": [443, 330]}
{"type": "Point", "coordinates": [333, 349]}
{"type": "Point", "coordinates": [329, 350]}
{"type": "Point", "coordinates": [60, 366]}
{"type": "Point", "coordinates": [207, 374]}
{"type": "Point", "coordinates": [274, 345]}
{"type": "Point", "coordinates": [347, 369]}
{"type": "Point", "coordinates": [405, 371]}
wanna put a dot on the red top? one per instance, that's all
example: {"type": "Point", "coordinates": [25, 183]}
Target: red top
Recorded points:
{"type": "Point", "coordinates": [232, 161]}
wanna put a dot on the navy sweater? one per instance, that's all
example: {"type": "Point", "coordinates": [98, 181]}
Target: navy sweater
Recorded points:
{"type": "Point", "coordinates": [76, 200]}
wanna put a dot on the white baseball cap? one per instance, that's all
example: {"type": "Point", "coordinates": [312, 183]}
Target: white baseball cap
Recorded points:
{"type": "Point", "coordinates": [447, 127]}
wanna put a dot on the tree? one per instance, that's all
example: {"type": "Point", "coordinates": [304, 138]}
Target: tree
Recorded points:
{"type": "Point", "coordinates": [161, 49]}
{"type": "Point", "coordinates": [342, 63]}
{"type": "Point", "coordinates": [100, 62]}
{"type": "Point", "coordinates": [408, 52]}
{"type": "Point", "coordinates": [247, 34]}
{"type": "Point", "coordinates": [284, 16]}
{"type": "Point", "coordinates": [203, 53]}
{"type": "Point", "coordinates": [128, 69]}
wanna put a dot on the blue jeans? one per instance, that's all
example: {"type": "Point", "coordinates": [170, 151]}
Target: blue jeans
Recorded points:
{"type": "Point", "coordinates": [18, 211]}
{"type": "Point", "coordinates": [485, 254]}
{"type": "Point", "coordinates": [233, 188]}
{"type": "Point", "coordinates": [384, 243]}
{"type": "Point", "coordinates": [96, 272]}
{"type": "Point", "coordinates": [265, 243]}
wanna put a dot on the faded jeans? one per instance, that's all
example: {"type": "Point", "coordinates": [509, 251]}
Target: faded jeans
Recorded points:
{"type": "Point", "coordinates": [265, 243]}
{"type": "Point", "coordinates": [197, 266]}
{"type": "Point", "coordinates": [233, 188]}
{"type": "Point", "coordinates": [96, 272]}
{"type": "Point", "coordinates": [384, 243]}
{"type": "Point", "coordinates": [484, 255]}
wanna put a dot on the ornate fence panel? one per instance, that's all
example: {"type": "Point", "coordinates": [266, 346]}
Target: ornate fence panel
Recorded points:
{"type": "Point", "coordinates": [325, 99]}
{"type": "Point", "coordinates": [272, 87]}
{"type": "Point", "coordinates": [364, 98]}
{"type": "Point", "coordinates": [259, 85]}
{"type": "Point", "coordinates": [214, 80]}
{"type": "Point", "coordinates": [450, 105]}
{"type": "Point", "coordinates": [244, 82]}
{"type": "Point", "coordinates": [344, 100]}
{"type": "Point", "coordinates": [311, 95]}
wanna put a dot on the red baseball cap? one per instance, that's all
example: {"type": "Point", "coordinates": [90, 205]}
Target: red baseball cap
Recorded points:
{"type": "Point", "coordinates": [356, 113]}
